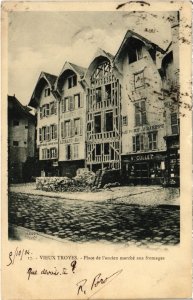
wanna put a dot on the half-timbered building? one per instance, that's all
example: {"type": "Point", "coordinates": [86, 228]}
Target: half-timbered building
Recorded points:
{"type": "Point", "coordinates": [103, 113]}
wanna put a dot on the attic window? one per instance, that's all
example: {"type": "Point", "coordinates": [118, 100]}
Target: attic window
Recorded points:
{"type": "Point", "coordinates": [47, 92]}
{"type": "Point", "coordinates": [135, 54]}
{"type": "Point", "coordinates": [72, 81]}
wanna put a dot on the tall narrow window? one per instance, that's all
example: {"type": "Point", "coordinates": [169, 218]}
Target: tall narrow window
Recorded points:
{"type": "Point", "coordinates": [43, 133]}
{"type": "Point", "coordinates": [71, 103]}
{"type": "Point", "coordinates": [98, 95]}
{"type": "Point", "coordinates": [72, 81]}
{"type": "Point", "coordinates": [138, 142]}
{"type": "Point", "coordinates": [174, 123]}
{"type": "Point", "coordinates": [67, 129]}
{"type": "Point", "coordinates": [41, 115]}
{"type": "Point", "coordinates": [62, 130]}
{"type": "Point", "coordinates": [47, 133]}
{"type": "Point", "coordinates": [40, 135]}
{"type": "Point", "coordinates": [108, 91]}
{"type": "Point", "coordinates": [97, 123]}
{"type": "Point", "coordinates": [152, 137]}
{"type": "Point", "coordinates": [55, 131]}
{"type": "Point", "coordinates": [77, 127]}
{"type": "Point", "coordinates": [106, 148]}
{"type": "Point", "coordinates": [76, 148]}
{"type": "Point", "coordinates": [109, 121]}
{"type": "Point", "coordinates": [140, 113]}
{"type": "Point", "coordinates": [98, 149]}
{"type": "Point", "coordinates": [68, 152]}
{"type": "Point", "coordinates": [47, 92]}
{"type": "Point", "coordinates": [52, 108]}
{"type": "Point", "coordinates": [77, 101]}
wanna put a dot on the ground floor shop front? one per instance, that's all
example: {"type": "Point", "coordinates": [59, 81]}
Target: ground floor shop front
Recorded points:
{"type": "Point", "coordinates": [145, 168]}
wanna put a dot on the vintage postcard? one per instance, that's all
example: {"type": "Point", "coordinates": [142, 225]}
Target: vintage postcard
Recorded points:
{"type": "Point", "coordinates": [96, 150]}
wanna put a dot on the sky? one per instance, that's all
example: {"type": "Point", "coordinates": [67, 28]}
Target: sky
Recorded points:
{"type": "Point", "coordinates": [44, 41]}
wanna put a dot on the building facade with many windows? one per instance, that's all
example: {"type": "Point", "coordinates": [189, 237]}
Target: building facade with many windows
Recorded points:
{"type": "Point", "coordinates": [120, 113]}
{"type": "Point", "coordinates": [72, 119]}
{"type": "Point", "coordinates": [103, 113]}
{"type": "Point", "coordinates": [143, 120]}
{"type": "Point", "coordinates": [45, 101]}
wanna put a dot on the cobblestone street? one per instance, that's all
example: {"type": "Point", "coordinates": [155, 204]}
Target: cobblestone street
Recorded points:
{"type": "Point", "coordinates": [107, 221]}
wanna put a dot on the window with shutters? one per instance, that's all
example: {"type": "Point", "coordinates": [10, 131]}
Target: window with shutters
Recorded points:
{"type": "Point", "coordinates": [77, 101]}
{"type": "Point", "coordinates": [52, 108]}
{"type": "Point", "coordinates": [47, 110]}
{"type": "Point", "coordinates": [43, 111]}
{"type": "Point", "coordinates": [67, 128]}
{"type": "Point", "coordinates": [71, 103]}
{"type": "Point", "coordinates": [138, 142]}
{"type": "Point", "coordinates": [140, 113]}
{"type": "Point", "coordinates": [52, 131]}
{"type": "Point", "coordinates": [53, 153]}
{"type": "Point", "coordinates": [63, 107]}
{"type": "Point", "coordinates": [174, 123]}
{"type": "Point", "coordinates": [43, 133]}
{"type": "Point", "coordinates": [62, 130]}
{"type": "Point", "coordinates": [47, 133]}
{"type": "Point", "coordinates": [44, 153]}
{"type": "Point", "coordinates": [68, 152]}
{"type": "Point", "coordinates": [40, 135]}
{"type": "Point", "coordinates": [41, 115]}
{"type": "Point", "coordinates": [76, 151]}
{"type": "Point", "coordinates": [66, 106]}
{"type": "Point", "coordinates": [47, 92]}
{"type": "Point", "coordinates": [48, 153]}
{"type": "Point", "coordinates": [152, 138]}
{"type": "Point", "coordinates": [55, 131]}
{"type": "Point", "coordinates": [72, 81]}
{"type": "Point", "coordinates": [77, 127]}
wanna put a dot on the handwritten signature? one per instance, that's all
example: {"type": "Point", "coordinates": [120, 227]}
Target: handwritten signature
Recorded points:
{"type": "Point", "coordinates": [99, 281]}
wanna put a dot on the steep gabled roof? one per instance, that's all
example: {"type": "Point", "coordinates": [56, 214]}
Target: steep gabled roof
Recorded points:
{"type": "Point", "coordinates": [18, 108]}
{"type": "Point", "coordinates": [98, 56]}
{"type": "Point", "coordinates": [130, 34]}
{"type": "Point", "coordinates": [80, 70]}
{"type": "Point", "coordinates": [50, 77]}
{"type": "Point", "coordinates": [44, 77]}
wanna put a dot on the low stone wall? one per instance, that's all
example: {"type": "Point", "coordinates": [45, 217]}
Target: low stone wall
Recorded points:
{"type": "Point", "coordinates": [83, 181]}
{"type": "Point", "coordinates": [51, 183]}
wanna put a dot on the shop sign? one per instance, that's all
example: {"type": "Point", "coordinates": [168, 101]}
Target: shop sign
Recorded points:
{"type": "Point", "coordinates": [140, 157]}
{"type": "Point", "coordinates": [70, 140]}
{"type": "Point", "coordinates": [55, 164]}
{"type": "Point", "coordinates": [48, 144]}
{"type": "Point", "coordinates": [147, 128]}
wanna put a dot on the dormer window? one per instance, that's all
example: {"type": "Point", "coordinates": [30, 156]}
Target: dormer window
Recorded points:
{"type": "Point", "coordinates": [135, 54]}
{"type": "Point", "coordinates": [72, 81]}
{"type": "Point", "coordinates": [47, 92]}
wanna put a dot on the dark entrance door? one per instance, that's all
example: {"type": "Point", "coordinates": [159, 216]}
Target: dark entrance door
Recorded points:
{"type": "Point", "coordinates": [142, 172]}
